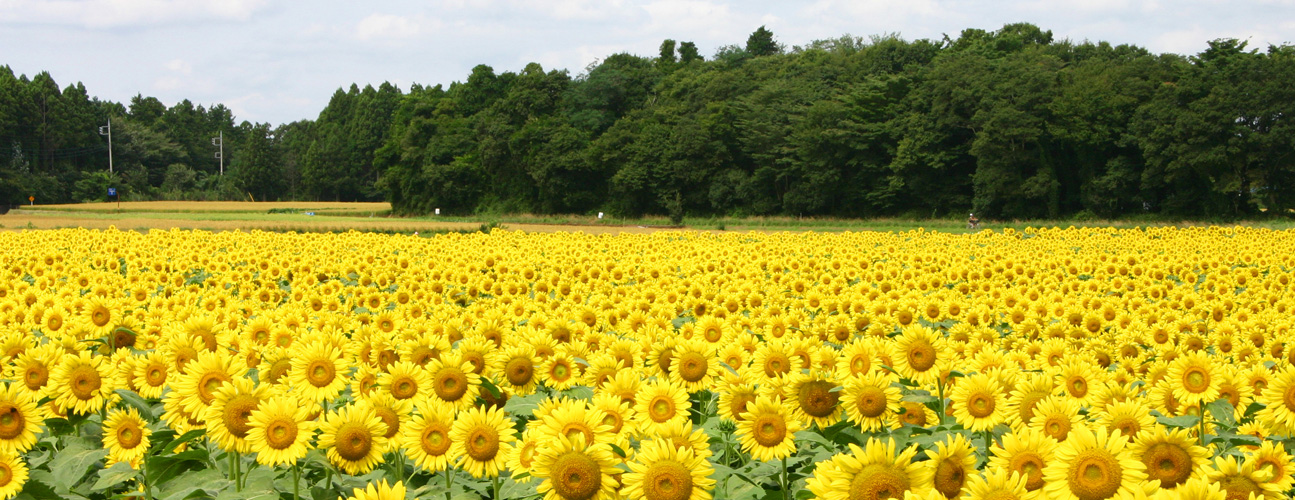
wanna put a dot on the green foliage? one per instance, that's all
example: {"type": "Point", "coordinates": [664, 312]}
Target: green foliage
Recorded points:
{"type": "Point", "coordinates": [1010, 124]}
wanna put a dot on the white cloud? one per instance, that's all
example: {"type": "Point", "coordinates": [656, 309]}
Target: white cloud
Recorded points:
{"type": "Point", "coordinates": [180, 66]}
{"type": "Point", "coordinates": [123, 13]}
{"type": "Point", "coordinates": [387, 26]}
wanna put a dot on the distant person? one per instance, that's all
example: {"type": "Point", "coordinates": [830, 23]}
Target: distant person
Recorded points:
{"type": "Point", "coordinates": [973, 222]}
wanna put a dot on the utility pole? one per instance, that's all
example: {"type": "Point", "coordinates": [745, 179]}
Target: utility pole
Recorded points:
{"type": "Point", "coordinates": [108, 132]}
{"type": "Point", "coordinates": [219, 141]}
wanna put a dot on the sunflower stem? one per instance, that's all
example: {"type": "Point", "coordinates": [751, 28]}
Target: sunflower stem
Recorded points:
{"type": "Point", "coordinates": [786, 492]}
{"type": "Point", "coordinates": [494, 481]}
{"type": "Point", "coordinates": [143, 478]}
{"type": "Point", "coordinates": [449, 481]}
{"type": "Point", "coordinates": [940, 388]}
{"type": "Point", "coordinates": [296, 481]}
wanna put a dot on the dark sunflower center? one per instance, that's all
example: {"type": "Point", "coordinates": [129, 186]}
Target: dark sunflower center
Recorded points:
{"type": "Point", "coordinates": [769, 430]}
{"type": "Point", "coordinates": [872, 401]}
{"type": "Point", "coordinates": [482, 444]}
{"type": "Point", "coordinates": [1029, 465]}
{"type": "Point", "coordinates": [1094, 475]}
{"type": "Point", "coordinates": [237, 412]}
{"type": "Point", "coordinates": [280, 433]}
{"type": "Point", "coordinates": [129, 435]}
{"type": "Point", "coordinates": [817, 398]}
{"type": "Point", "coordinates": [321, 372]}
{"type": "Point", "coordinates": [921, 355]}
{"type": "Point", "coordinates": [914, 414]}
{"type": "Point", "coordinates": [692, 366]}
{"type": "Point", "coordinates": [1057, 426]}
{"type": "Point", "coordinates": [1196, 379]}
{"type": "Point", "coordinates": [519, 371]}
{"type": "Point", "coordinates": [1169, 463]}
{"type": "Point", "coordinates": [980, 405]}
{"type": "Point", "coordinates": [6, 475]}
{"type": "Point", "coordinates": [667, 480]}
{"type": "Point", "coordinates": [949, 478]}
{"type": "Point", "coordinates": [353, 441]}
{"type": "Point", "coordinates": [776, 365]}
{"type": "Point", "coordinates": [36, 376]}
{"type": "Point", "coordinates": [12, 421]}
{"type": "Point", "coordinates": [85, 382]}
{"type": "Point", "coordinates": [388, 417]}
{"type": "Point", "coordinates": [576, 476]}
{"type": "Point", "coordinates": [738, 405]}
{"type": "Point", "coordinates": [1240, 487]}
{"type": "Point", "coordinates": [450, 384]}
{"type": "Point", "coordinates": [404, 387]}
{"type": "Point", "coordinates": [435, 439]}
{"type": "Point", "coordinates": [209, 383]}
{"type": "Point", "coordinates": [661, 408]}
{"type": "Point", "coordinates": [879, 482]}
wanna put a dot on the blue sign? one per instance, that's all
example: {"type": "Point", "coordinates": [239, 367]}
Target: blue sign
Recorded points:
{"type": "Point", "coordinates": [112, 191]}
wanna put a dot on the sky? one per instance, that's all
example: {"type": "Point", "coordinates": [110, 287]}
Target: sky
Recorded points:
{"type": "Point", "coordinates": [279, 61]}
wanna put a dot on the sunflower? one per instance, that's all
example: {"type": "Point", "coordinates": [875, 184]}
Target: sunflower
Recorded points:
{"type": "Point", "coordinates": [33, 367]}
{"type": "Point", "coordinates": [203, 377]}
{"type": "Point", "coordinates": [616, 413]}
{"type": "Point", "coordinates": [395, 413]}
{"type": "Point", "coordinates": [426, 437]}
{"type": "Point", "coordinates": [1278, 399]}
{"type": "Point", "coordinates": [1079, 380]}
{"type": "Point", "coordinates": [870, 400]}
{"type": "Point", "coordinates": [13, 474]}
{"type": "Point", "coordinates": [1170, 456]}
{"type": "Point", "coordinates": [406, 381]}
{"type": "Point", "coordinates": [1128, 417]}
{"type": "Point", "coordinates": [379, 491]}
{"type": "Point", "coordinates": [766, 428]}
{"type": "Point", "coordinates": [998, 484]}
{"type": "Point", "coordinates": [695, 364]}
{"type": "Point", "coordinates": [150, 373]}
{"type": "Point", "coordinates": [1242, 479]}
{"type": "Point", "coordinates": [1056, 416]}
{"type": "Point", "coordinates": [522, 458]}
{"type": "Point", "coordinates": [915, 414]}
{"type": "Point", "coordinates": [733, 397]}
{"type": "Point", "coordinates": [1195, 379]}
{"type": "Point", "coordinates": [950, 463]}
{"type": "Point", "coordinates": [99, 316]}
{"type": "Point", "coordinates": [815, 396]}
{"type": "Point", "coordinates": [20, 420]}
{"type": "Point", "coordinates": [482, 441]}
{"type": "Point", "coordinates": [571, 417]}
{"type": "Point", "coordinates": [874, 471]}
{"type": "Point", "coordinates": [1093, 465]}
{"type": "Point", "coordinates": [919, 354]}
{"type": "Point", "coordinates": [82, 383]}
{"type": "Point", "coordinates": [572, 470]}
{"type": "Point", "coordinates": [1200, 488]}
{"type": "Point", "coordinates": [771, 362]}
{"type": "Point", "coordinates": [659, 403]}
{"type": "Point", "coordinates": [280, 430]}
{"type": "Point", "coordinates": [662, 471]}
{"type": "Point", "coordinates": [1022, 399]}
{"type": "Point", "coordinates": [318, 371]}
{"type": "Point", "coordinates": [856, 359]}
{"type": "Point", "coordinates": [354, 438]}
{"type": "Point", "coordinates": [1272, 457]}
{"type": "Point", "coordinates": [978, 403]}
{"type": "Point", "coordinates": [125, 435]}
{"type": "Point", "coordinates": [453, 382]}
{"type": "Point", "coordinates": [227, 417]}
{"type": "Point", "coordinates": [560, 371]}
{"type": "Point", "coordinates": [1026, 452]}
{"type": "Point", "coordinates": [518, 368]}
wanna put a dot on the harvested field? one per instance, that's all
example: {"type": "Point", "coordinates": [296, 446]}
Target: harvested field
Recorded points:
{"type": "Point", "coordinates": [217, 206]}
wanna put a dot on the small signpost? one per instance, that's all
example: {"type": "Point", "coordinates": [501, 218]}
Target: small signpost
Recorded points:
{"type": "Point", "coordinates": [112, 192]}
{"type": "Point", "coordinates": [31, 200]}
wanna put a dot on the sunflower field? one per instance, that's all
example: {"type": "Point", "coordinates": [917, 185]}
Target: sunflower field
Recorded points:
{"type": "Point", "coordinates": [1075, 364]}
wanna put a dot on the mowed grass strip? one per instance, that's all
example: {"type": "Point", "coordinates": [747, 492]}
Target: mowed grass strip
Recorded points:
{"type": "Point", "coordinates": [217, 206]}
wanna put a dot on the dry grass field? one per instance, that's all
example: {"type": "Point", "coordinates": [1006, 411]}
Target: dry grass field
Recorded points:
{"type": "Point", "coordinates": [234, 215]}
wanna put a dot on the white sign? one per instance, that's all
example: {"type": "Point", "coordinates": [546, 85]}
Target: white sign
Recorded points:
{"type": "Point", "coordinates": [438, 211]}
{"type": "Point", "coordinates": [600, 215]}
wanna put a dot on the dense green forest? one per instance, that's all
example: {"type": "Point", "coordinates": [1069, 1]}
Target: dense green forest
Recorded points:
{"type": "Point", "coordinates": [1008, 123]}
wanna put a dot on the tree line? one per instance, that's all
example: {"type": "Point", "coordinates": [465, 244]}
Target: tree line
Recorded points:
{"type": "Point", "coordinates": [1008, 123]}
